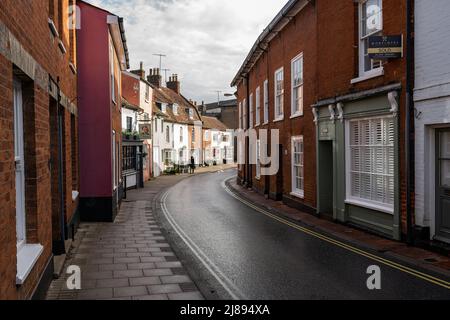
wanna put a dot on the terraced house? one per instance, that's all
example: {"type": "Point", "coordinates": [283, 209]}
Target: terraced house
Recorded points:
{"type": "Point", "coordinates": [39, 155]}
{"type": "Point", "coordinates": [342, 112]}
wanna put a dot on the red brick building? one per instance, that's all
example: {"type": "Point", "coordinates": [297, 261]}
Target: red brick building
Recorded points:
{"type": "Point", "coordinates": [38, 142]}
{"type": "Point", "coordinates": [266, 87]}
{"type": "Point", "coordinates": [344, 153]}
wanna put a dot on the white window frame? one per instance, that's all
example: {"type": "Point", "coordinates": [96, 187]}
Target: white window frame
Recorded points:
{"type": "Point", "coordinates": [250, 104]}
{"type": "Point", "coordinates": [113, 76]}
{"type": "Point", "coordinates": [375, 71]}
{"type": "Point", "coordinates": [244, 106]}
{"type": "Point", "coordinates": [266, 101]}
{"type": "Point", "coordinates": [114, 160]}
{"type": "Point", "coordinates": [258, 160]}
{"type": "Point", "coordinates": [362, 202]}
{"type": "Point", "coordinates": [258, 106]}
{"type": "Point", "coordinates": [279, 115]}
{"type": "Point", "coordinates": [240, 115]}
{"type": "Point", "coordinates": [299, 193]}
{"type": "Point", "coordinates": [294, 112]}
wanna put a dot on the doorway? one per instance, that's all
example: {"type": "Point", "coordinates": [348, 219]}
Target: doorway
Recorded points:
{"type": "Point", "coordinates": [326, 179]}
{"type": "Point", "coordinates": [443, 185]}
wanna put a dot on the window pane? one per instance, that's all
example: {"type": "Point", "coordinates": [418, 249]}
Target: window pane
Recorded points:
{"type": "Point", "coordinates": [445, 173]}
{"type": "Point", "coordinates": [445, 145]}
{"type": "Point", "coordinates": [372, 17]}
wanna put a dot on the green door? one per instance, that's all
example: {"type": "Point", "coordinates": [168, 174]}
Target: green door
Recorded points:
{"type": "Point", "coordinates": [443, 186]}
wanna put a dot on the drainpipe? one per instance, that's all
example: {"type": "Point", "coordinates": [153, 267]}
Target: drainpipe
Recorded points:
{"type": "Point", "coordinates": [409, 141]}
{"type": "Point", "coordinates": [247, 138]}
{"type": "Point", "coordinates": [60, 163]}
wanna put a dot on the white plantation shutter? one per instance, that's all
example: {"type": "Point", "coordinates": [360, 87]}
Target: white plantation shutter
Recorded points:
{"type": "Point", "coordinates": [372, 160]}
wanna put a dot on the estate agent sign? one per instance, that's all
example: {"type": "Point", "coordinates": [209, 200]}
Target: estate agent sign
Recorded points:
{"type": "Point", "coordinates": [385, 47]}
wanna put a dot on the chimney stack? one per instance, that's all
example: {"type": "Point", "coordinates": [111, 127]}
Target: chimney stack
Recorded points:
{"type": "Point", "coordinates": [140, 72]}
{"type": "Point", "coordinates": [174, 84]}
{"type": "Point", "coordinates": [154, 77]}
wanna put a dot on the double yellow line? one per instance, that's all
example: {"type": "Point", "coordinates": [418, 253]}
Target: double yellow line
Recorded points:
{"type": "Point", "coordinates": [392, 264]}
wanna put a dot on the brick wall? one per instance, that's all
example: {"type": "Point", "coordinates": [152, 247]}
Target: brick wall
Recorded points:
{"type": "Point", "coordinates": [298, 36]}
{"type": "Point", "coordinates": [28, 50]}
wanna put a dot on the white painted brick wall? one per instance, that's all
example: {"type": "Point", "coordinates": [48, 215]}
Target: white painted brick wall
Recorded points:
{"type": "Point", "coordinates": [432, 31]}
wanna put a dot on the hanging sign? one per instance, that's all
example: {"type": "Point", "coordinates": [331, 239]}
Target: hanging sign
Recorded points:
{"type": "Point", "coordinates": [385, 47]}
{"type": "Point", "coordinates": [145, 131]}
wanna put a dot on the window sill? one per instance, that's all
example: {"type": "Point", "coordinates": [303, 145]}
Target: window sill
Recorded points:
{"type": "Point", "coordinates": [62, 47]}
{"type": "Point", "coordinates": [265, 123]}
{"type": "Point", "coordinates": [27, 256]}
{"type": "Point", "coordinates": [300, 195]}
{"type": "Point", "coordinates": [278, 119]}
{"type": "Point", "coordinates": [53, 28]}
{"type": "Point", "coordinates": [370, 205]}
{"type": "Point", "coordinates": [369, 75]}
{"type": "Point", "coordinates": [296, 115]}
{"type": "Point", "coordinates": [258, 178]}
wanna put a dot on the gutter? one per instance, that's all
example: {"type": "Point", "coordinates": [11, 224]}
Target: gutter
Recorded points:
{"type": "Point", "coordinates": [409, 128]}
{"type": "Point", "coordinates": [124, 41]}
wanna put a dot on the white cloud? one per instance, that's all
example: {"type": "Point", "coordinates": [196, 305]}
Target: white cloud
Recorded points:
{"type": "Point", "coordinates": [205, 41]}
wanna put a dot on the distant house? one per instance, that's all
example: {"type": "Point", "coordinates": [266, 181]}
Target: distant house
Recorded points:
{"type": "Point", "coordinates": [102, 56]}
{"type": "Point", "coordinates": [218, 145]}
{"type": "Point", "coordinates": [226, 111]}
{"type": "Point", "coordinates": [178, 121]}
{"type": "Point", "coordinates": [137, 147]}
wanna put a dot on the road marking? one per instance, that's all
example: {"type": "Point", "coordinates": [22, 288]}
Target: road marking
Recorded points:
{"type": "Point", "coordinates": [224, 281]}
{"type": "Point", "coordinates": [392, 264]}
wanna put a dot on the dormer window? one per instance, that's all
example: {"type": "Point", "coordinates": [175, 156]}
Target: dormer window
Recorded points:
{"type": "Point", "coordinates": [164, 108]}
{"type": "Point", "coordinates": [191, 114]}
{"type": "Point", "coordinates": [175, 109]}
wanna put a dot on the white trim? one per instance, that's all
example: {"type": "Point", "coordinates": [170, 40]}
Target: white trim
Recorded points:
{"type": "Point", "coordinates": [27, 257]}
{"type": "Point", "coordinates": [281, 115]}
{"type": "Point", "coordinates": [251, 110]}
{"type": "Point", "coordinates": [365, 75]}
{"type": "Point", "coordinates": [370, 205]}
{"type": "Point", "coordinates": [300, 195]}
{"type": "Point", "coordinates": [366, 203]}
{"type": "Point", "coordinates": [62, 47]}
{"type": "Point", "coordinates": [266, 101]}
{"type": "Point", "coordinates": [378, 72]}
{"type": "Point", "coordinates": [295, 191]}
{"type": "Point", "coordinates": [258, 106]}
{"type": "Point", "coordinates": [299, 57]}
{"type": "Point", "coordinates": [296, 115]}
{"type": "Point", "coordinates": [279, 119]}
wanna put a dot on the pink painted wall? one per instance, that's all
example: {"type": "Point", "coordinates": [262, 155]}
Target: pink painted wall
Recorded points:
{"type": "Point", "coordinates": [94, 103]}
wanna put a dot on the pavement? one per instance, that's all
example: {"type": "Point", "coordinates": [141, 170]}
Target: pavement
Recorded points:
{"type": "Point", "coordinates": [235, 249]}
{"type": "Point", "coordinates": [129, 259]}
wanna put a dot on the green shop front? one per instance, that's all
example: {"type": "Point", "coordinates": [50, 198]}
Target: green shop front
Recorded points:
{"type": "Point", "coordinates": [358, 159]}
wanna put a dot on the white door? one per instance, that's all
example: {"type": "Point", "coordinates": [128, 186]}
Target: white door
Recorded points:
{"type": "Point", "coordinates": [19, 164]}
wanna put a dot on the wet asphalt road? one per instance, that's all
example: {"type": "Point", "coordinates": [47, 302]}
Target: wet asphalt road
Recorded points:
{"type": "Point", "coordinates": [257, 257]}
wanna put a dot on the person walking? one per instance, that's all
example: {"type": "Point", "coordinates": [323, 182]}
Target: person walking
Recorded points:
{"type": "Point", "coordinates": [192, 166]}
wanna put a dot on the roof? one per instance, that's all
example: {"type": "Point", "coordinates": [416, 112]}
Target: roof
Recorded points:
{"type": "Point", "coordinates": [170, 97]}
{"type": "Point", "coordinates": [278, 23]}
{"type": "Point", "coordinates": [213, 123]}
{"type": "Point", "coordinates": [223, 104]}
{"type": "Point", "coordinates": [130, 106]}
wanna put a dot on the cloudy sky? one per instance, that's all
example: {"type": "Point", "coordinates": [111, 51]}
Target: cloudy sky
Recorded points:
{"type": "Point", "coordinates": [205, 41]}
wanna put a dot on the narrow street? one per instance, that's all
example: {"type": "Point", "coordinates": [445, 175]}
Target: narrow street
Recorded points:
{"type": "Point", "coordinates": [250, 255]}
